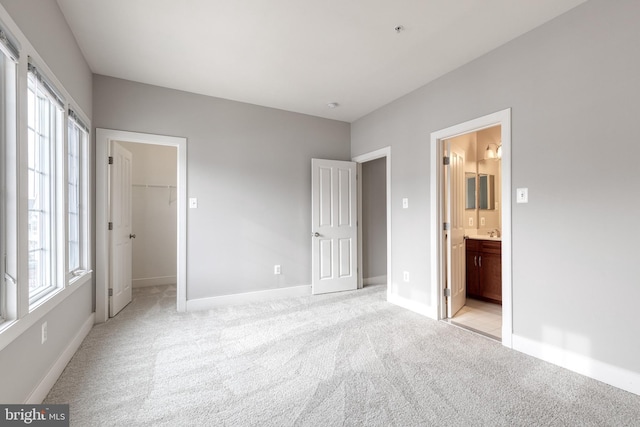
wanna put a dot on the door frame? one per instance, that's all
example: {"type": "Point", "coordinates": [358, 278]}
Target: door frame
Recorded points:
{"type": "Point", "coordinates": [103, 149]}
{"type": "Point", "coordinates": [502, 118]}
{"type": "Point", "coordinates": [360, 159]}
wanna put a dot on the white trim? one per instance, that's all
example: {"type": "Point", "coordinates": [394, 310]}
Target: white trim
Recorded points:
{"type": "Point", "coordinates": [103, 139]}
{"type": "Point", "coordinates": [377, 280]}
{"type": "Point", "coordinates": [416, 307]}
{"type": "Point", "coordinates": [362, 158]}
{"type": "Point", "coordinates": [153, 281]}
{"type": "Point", "coordinates": [44, 386]}
{"type": "Point", "coordinates": [248, 297]}
{"type": "Point", "coordinates": [592, 368]}
{"type": "Point", "coordinates": [502, 118]}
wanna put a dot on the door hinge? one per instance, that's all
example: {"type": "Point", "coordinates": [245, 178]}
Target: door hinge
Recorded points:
{"type": "Point", "coordinates": [447, 292]}
{"type": "Point", "coordinates": [110, 160]}
{"type": "Point", "coordinates": [446, 160]}
{"type": "Point", "coordinates": [445, 226]}
{"type": "Point", "coordinates": [110, 226]}
{"type": "Point", "coordinates": [110, 292]}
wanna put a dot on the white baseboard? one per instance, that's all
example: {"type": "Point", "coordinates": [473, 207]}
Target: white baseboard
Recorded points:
{"type": "Point", "coordinates": [42, 389]}
{"type": "Point", "coordinates": [247, 297]}
{"type": "Point", "coordinates": [416, 307]}
{"type": "Point", "coordinates": [601, 371]}
{"type": "Point", "coordinates": [376, 280]}
{"type": "Point", "coordinates": [154, 281]}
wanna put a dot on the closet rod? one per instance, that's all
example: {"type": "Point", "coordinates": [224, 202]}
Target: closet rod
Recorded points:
{"type": "Point", "coordinates": [153, 186]}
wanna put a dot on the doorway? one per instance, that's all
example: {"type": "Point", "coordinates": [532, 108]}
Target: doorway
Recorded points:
{"type": "Point", "coordinates": [473, 201]}
{"type": "Point", "coordinates": [445, 278]}
{"type": "Point", "coordinates": [381, 170]}
{"type": "Point", "coordinates": [104, 141]}
{"type": "Point", "coordinates": [154, 214]}
{"type": "Point", "coordinates": [374, 222]}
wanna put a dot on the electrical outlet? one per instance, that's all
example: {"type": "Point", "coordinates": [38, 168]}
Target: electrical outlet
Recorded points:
{"type": "Point", "coordinates": [44, 332]}
{"type": "Point", "coordinates": [522, 195]}
{"type": "Point", "coordinates": [470, 222]}
{"type": "Point", "coordinates": [405, 276]}
{"type": "Point", "coordinates": [482, 221]}
{"type": "Point", "coordinates": [276, 269]}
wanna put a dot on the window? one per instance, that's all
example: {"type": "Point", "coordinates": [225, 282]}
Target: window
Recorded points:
{"type": "Point", "coordinates": [44, 190]}
{"type": "Point", "coordinates": [44, 124]}
{"type": "Point", "coordinates": [8, 56]}
{"type": "Point", "coordinates": [3, 91]}
{"type": "Point", "coordinates": [76, 183]}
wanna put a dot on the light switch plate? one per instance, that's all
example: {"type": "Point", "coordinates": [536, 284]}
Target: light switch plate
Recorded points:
{"type": "Point", "coordinates": [522, 195]}
{"type": "Point", "coordinates": [193, 203]}
{"type": "Point", "coordinates": [405, 203]}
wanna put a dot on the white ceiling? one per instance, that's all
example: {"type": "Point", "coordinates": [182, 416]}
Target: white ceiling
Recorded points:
{"type": "Point", "coordinates": [297, 55]}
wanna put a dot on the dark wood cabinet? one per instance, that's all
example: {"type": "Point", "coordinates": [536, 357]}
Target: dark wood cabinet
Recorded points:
{"type": "Point", "coordinates": [484, 269]}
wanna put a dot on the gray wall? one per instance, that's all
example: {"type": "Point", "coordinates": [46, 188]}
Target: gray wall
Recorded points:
{"type": "Point", "coordinates": [44, 25]}
{"type": "Point", "coordinates": [249, 167]}
{"type": "Point", "coordinates": [25, 361]}
{"type": "Point", "coordinates": [374, 218]}
{"type": "Point", "coordinates": [573, 86]}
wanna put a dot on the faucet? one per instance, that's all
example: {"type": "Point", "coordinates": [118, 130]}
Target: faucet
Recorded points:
{"type": "Point", "coordinates": [494, 231]}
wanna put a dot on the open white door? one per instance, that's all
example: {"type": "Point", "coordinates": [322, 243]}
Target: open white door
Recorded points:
{"type": "Point", "coordinates": [334, 226]}
{"type": "Point", "coordinates": [454, 236]}
{"type": "Point", "coordinates": [120, 250]}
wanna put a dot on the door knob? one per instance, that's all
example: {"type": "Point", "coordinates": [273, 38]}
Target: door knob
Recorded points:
{"type": "Point", "coordinates": [132, 236]}
{"type": "Point", "coordinates": [316, 234]}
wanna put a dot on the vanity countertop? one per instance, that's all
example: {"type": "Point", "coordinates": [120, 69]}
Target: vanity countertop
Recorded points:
{"type": "Point", "coordinates": [484, 237]}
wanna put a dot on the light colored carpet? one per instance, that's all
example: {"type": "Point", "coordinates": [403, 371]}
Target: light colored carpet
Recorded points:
{"type": "Point", "coordinates": [346, 359]}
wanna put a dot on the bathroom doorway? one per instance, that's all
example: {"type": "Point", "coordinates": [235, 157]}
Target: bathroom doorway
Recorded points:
{"type": "Point", "coordinates": [471, 225]}
{"type": "Point", "coordinates": [473, 250]}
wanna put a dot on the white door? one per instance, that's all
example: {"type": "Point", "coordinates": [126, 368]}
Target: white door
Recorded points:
{"type": "Point", "coordinates": [120, 250]}
{"type": "Point", "coordinates": [334, 226]}
{"type": "Point", "coordinates": [454, 236]}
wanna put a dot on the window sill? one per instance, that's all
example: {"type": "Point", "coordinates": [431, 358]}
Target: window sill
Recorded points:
{"type": "Point", "coordinates": [78, 277]}
{"type": "Point", "coordinates": [13, 328]}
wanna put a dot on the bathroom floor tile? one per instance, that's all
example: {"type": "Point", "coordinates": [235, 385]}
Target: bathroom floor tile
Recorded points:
{"type": "Point", "coordinates": [481, 316]}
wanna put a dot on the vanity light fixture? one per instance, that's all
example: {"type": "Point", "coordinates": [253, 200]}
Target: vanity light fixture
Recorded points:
{"type": "Point", "coordinates": [493, 151]}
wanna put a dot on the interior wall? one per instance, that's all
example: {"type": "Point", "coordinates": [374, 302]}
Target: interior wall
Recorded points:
{"type": "Point", "coordinates": [154, 214]}
{"type": "Point", "coordinates": [572, 86]}
{"type": "Point", "coordinates": [250, 169]}
{"type": "Point", "coordinates": [46, 28]}
{"type": "Point", "coordinates": [374, 221]}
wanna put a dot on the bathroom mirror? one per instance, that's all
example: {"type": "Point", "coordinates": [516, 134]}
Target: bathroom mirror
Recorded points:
{"type": "Point", "coordinates": [486, 192]}
{"type": "Point", "coordinates": [471, 190]}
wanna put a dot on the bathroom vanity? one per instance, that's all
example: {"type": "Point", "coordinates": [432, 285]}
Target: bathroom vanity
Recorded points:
{"type": "Point", "coordinates": [484, 269]}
